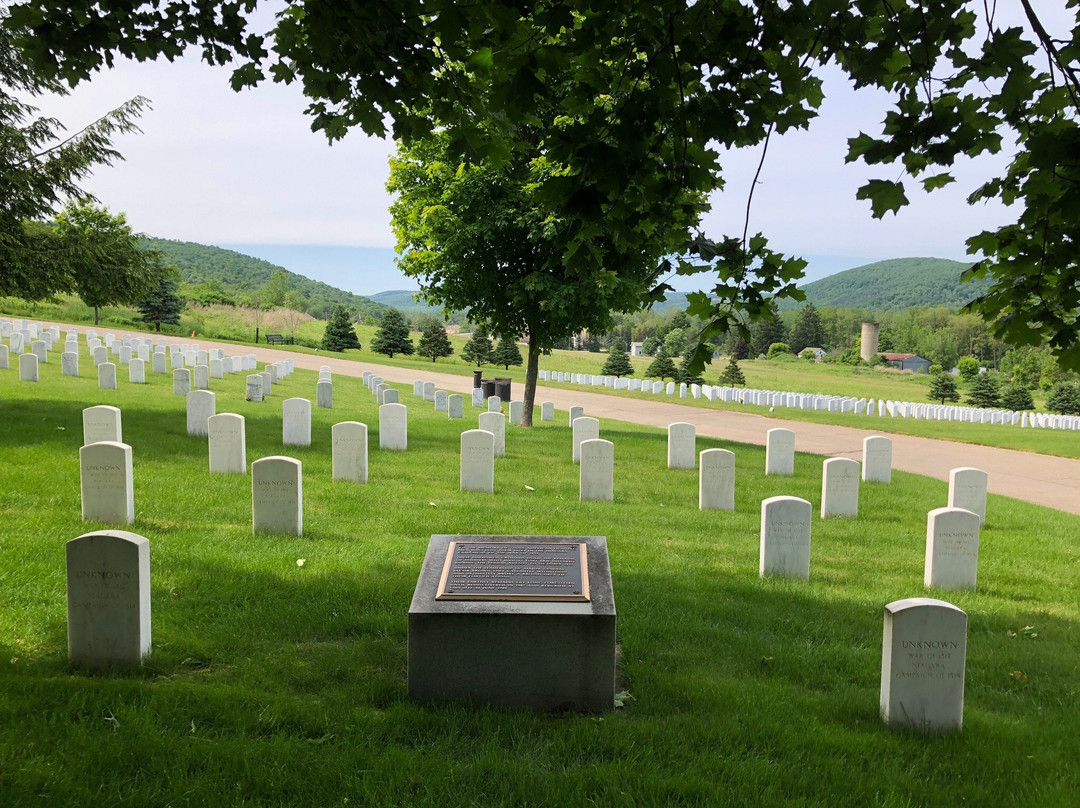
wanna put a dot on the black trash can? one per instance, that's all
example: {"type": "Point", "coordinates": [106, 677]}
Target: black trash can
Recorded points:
{"type": "Point", "coordinates": [502, 388]}
{"type": "Point", "coordinates": [476, 374]}
{"type": "Point", "coordinates": [488, 386]}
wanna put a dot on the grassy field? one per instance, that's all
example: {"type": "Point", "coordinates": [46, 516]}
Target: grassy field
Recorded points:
{"type": "Point", "coordinates": [272, 683]}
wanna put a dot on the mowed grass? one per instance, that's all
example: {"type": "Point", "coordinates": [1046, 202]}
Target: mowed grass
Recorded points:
{"type": "Point", "coordinates": [272, 683]}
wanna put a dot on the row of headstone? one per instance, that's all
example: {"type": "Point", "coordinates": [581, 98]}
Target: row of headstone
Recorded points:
{"type": "Point", "coordinates": [825, 403]}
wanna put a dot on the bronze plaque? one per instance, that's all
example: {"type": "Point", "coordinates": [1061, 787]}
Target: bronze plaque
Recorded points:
{"type": "Point", "coordinates": [515, 571]}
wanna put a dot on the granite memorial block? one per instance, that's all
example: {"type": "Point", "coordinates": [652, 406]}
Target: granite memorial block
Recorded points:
{"type": "Point", "coordinates": [546, 655]}
{"type": "Point", "coordinates": [349, 451]}
{"type": "Point", "coordinates": [227, 443]}
{"type": "Point", "coordinates": [106, 483]}
{"type": "Point", "coordinates": [952, 548]}
{"type": "Point", "coordinates": [108, 599]}
{"type": "Point", "coordinates": [597, 472]}
{"type": "Point", "coordinates": [716, 480]}
{"type": "Point", "coordinates": [923, 656]}
{"type": "Point", "coordinates": [277, 496]}
{"type": "Point", "coordinates": [296, 422]}
{"type": "Point", "coordinates": [477, 461]}
{"type": "Point", "coordinates": [785, 537]}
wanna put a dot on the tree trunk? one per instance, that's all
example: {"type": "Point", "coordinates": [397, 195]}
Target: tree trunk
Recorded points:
{"type": "Point", "coordinates": [95, 315]}
{"type": "Point", "coordinates": [159, 326]}
{"type": "Point", "coordinates": [532, 372]}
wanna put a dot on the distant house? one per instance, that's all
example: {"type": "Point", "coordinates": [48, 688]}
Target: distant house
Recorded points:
{"type": "Point", "coordinates": [818, 352]}
{"type": "Point", "coordinates": [908, 361]}
{"type": "Point", "coordinates": [635, 348]}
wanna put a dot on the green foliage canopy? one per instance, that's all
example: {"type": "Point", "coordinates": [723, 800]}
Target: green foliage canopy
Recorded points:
{"type": "Point", "coordinates": [618, 363]}
{"type": "Point", "coordinates": [392, 335]}
{"type": "Point", "coordinates": [434, 342]}
{"type": "Point", "coordinates": [943, 388]}
{"type": "Point", "coordinates": [339, 334]}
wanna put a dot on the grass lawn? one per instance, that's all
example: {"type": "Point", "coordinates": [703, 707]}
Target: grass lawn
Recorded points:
{"type": "Point", "coordinates": [272, 683]}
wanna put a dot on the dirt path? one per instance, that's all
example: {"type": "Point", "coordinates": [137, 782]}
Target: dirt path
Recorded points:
{"type": "Point", "coordinates": [1042, 479]}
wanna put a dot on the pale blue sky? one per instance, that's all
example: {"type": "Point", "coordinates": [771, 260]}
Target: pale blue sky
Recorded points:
{"type": "Point", "coordinates": [219, 167]}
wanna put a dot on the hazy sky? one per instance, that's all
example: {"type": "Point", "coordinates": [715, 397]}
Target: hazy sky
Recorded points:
{"type": "Point", "coordinates": [219, 167]}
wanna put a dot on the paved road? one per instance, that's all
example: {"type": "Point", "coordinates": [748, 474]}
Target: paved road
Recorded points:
{"type": "Point", "coordinates": [1042, 479]}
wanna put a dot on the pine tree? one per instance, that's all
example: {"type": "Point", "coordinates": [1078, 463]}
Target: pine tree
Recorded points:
{"type": "Point", "coordinates": [984, 391]}
{"type": "Point", "coordinates": [1064, 398]}
{"type": "Point", "coordinates": [661, 366]}
{"type": "Point", "coordinates": [434, 342]}
{"type": "Point", "coordinates": [392, 335]}
{"type": "Point", "coordinates": [1017, 397]}
{"type": "Point", "coordinates": [506, 354]}
{"type": "Point", "coordinates": [732, 375]}
{"type": "Point", "coordinates": [162, 305]}
{"type": "Point", "coordinates": [741, 349]}
{"type": "Point", "coordinates": [339, 333]}
{"type": "Point", "coordinates": [769, 331]}
{"type": "Point", "coordinates": [478, 348]}
{"type": "Point", "coordinates": [618, 363]}
{"type": "Point", "coordinates": [808, 332]}
{"type": "Point", "coordinates": [685, 376]}
{"type": "Point", "coordinates": [943, 388]}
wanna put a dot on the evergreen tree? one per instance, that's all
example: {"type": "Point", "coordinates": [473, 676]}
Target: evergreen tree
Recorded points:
{"type": "Point", "coordinates": [984, 391]}
{"type": "Point", "coordinates": [506, 354]}
{"type": "Point", "coordinates": [162, 304]}
{"type": "Point", "coordinates": [768, 331]}
{"type": "Point", "coordinates": [732, 376]}
{"type": "Point", "coordinates": [943, 388]}
{"type": "Point", "coordinates": [478, 348]}
{"type": "Point", "coordinates": [618, 363]}
{"type": "Point", "coordinates": [741, 349]}
{"type": "Point", "coordinates": [1064, 398]}
{"type": "Point", "coordinates": [392, 335]}
{"type": "Point", "coordinates": [434, 342]}
{"type": "Point", "coordinates": [682, 373]}
{"type": "Point", "coordinates": [339, 333]}
{"type": "Point", "coordinates": [1017, 397]}
{"type": "Point", "coordinates": [808, 332]}
{"type": "Point", "coordinates": [661, 366]}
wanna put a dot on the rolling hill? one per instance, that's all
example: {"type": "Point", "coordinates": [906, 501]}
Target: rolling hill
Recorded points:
{"type": "Point", "coordinates": [894, 285]}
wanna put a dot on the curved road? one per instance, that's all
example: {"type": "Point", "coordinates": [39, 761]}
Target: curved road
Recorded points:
{"type": "Point", "coordinates": [1042, 479]}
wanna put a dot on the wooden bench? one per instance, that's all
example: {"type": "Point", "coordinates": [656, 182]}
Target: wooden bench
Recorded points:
{"type": "Point", "coordinates": [278, 339]}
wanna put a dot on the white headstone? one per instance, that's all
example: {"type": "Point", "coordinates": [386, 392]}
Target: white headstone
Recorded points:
{"type": "Point", "coordinates": [5, 361]}
{"type": "Point", "coordinates": [267, 384]}
{"type": "Point", "coordinates": [494, 404]}
{"type": "Point", "coordinates": [967, 490]}
{"type": "Point", "coordinates": [28, 367]}
{"type": "Point", "coordinates": [923, 655]}
{"type": "Point", "coordinates": [455, 406]}
{"type": "Point", "coordinates": [108, 599]}
{"type": "Point", "coordinates": [839, 487]}
{"type": "Point", "coordinates": [125, 354]}
{"type": "Point", "coordinates": [137, 371]}
{"type": "Point", "coordinates": [324, 395]}
{"type": "Point", "coordinates": [296, 422]}
{"type": "Point", "coordinates": [429, 391]}
{"type": "Point", "coordinates": [780, 452]}
{"type": "Point", "coordinates": [877, 459]}
{"type": "Point", "coordinates": [716, 480]}
{"type": "Point", "coordinates": [440, 401]}
{"type": "Point", "coordinates": [227, 443]}
{"type": "Point", "coordinates": [495, 423]}
{"type": "Point", "coordinates": [158, 361]}
{"type": "Point", "coordinates": [217, 369]}
{"type": "Point", "coordinates": [277, 496]}
{"type": "Point", "coordinates": [547, 411]}
{"type": "Point", "coordinates": [681, 445]}
{"type": "Point", "coordinates": [106, 377]}
{"type": "Point", "coordinates": [952, 548]}
{"type": "Point", "coordinates": [350, 451]}
{"type": "Point", "coordinates": [478, 460]}
{"type": "Point", "coordinates": [388, 396]}
{"type": "Point", "coordinates": [201, 404]}
{"type": "Point", "coordinates": [597, 473]}
{"type": "Point", "coordinates": [478, 397]}
{"type": "Point", "coordinates": [102, 423]}
{"type": "Point", "coordinates": [254, 388]}
{"type": "Point", "coordinates": [200, 378]}
{"type": "Point", "coordinates": [584, 428]}
{"type": "Point", "coordinates": [575, 413]}
{"type": "Point", "coordinates": [69, 363]}
{"type": "Point", "coordinates": [181, 381]}
{"type": "Point", "coordinates": [516, 408]}
{"type": "Point", "coordinates": [394, 427]}
{"type": "Point", "coordinates": [785, 537]}
{"type": "Point", "coordinates": [106, 483]}
{"type": "Point", "coordinates": [41, 350]}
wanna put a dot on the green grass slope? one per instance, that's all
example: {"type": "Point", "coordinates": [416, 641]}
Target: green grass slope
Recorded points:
{"type": "Point", "coordinates": [275, 683]}
{"type": "Point", "coordinates": [894, 285]}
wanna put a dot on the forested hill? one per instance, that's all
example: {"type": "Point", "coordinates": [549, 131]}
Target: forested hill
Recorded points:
{"type": "Point", "coordinates": [242, 276]}
{"type": "Point", "coordinates": [894, 285]}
